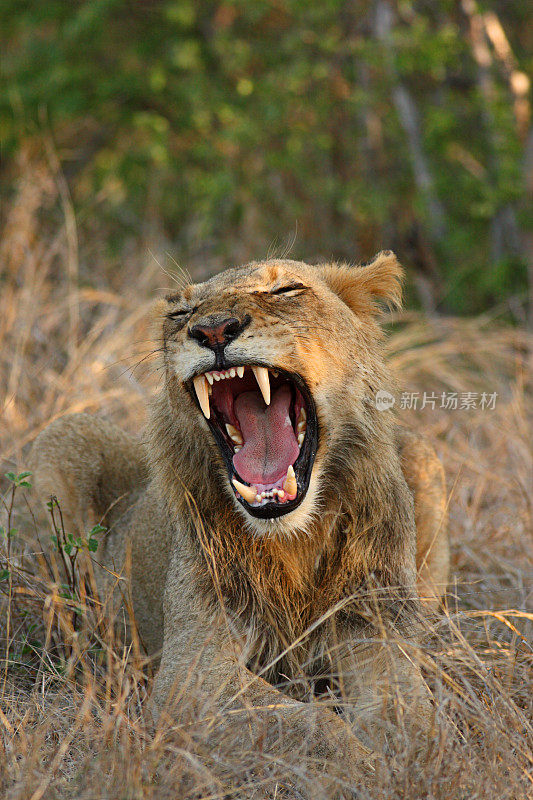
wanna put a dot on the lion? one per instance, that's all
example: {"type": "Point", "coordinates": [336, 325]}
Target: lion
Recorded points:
{"type": "Point", "coordinates": [284, 532]}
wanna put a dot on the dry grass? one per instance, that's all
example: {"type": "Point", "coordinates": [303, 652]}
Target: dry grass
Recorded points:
{"type": "Point", "coordinates": [72, 689]}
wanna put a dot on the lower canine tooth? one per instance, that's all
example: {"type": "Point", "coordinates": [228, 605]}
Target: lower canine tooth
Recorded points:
{"type": "Point", "coordinates": [200, 386]}
{"type": "Point", "coordinates": [248, 492]}
{"type": "Point", "coordinates": [289, 484]}
{"type": "Point", "coordinates": [261, 374]}
{"type": "Point", "coordinates": [234, 434]}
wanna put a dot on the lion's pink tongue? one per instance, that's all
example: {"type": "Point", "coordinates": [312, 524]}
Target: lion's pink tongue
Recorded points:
{"type": "Point", "coordinates": [270, 445]}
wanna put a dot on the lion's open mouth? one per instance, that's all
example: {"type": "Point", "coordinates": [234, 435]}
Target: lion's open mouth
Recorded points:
{"type": "Point", "coordinates": [265, 425]}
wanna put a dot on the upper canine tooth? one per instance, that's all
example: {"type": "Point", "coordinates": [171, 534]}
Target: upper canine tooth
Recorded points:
{"type": "Point", "coordinates": [234, 434]}
{"type": "Point", "coordinates": [240, 371]}
{"type": "Point", "coordinates": [289, 484]}
{"type": "Point", "coordinates": [261, 374]}
{"type": "Point", "coordinates": [248, 492]}
{"type": "Point", "coordinates": [200, 386]}
{"type": "Point", "coordinates": [209, 376]}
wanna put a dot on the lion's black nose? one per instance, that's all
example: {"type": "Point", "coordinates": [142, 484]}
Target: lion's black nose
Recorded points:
{"type": "Point", "coordinates": [216, 333]}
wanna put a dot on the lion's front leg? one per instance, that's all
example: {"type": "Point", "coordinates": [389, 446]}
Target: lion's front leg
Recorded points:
{"type": "Point", "coordinates": [202, 668]}
{"type": "Point", "coordinates": [384, 690]}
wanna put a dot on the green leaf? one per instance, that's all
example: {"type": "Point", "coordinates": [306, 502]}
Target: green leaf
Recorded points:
{"type": "Point", "coordinates": [97, 529]}
{"type": "Point", "coordinates": [4, 574]}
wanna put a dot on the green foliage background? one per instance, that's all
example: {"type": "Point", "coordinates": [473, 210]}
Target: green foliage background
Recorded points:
{"type": "Point", "coordinates": [347, 126]}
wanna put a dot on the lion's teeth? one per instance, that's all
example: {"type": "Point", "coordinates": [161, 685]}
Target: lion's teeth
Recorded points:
{"type": "Point", "coordinates": [289, 484]}
{"type": "Point", "coordinates": [209, 376]}
{"type": "Point", "coordinates": [261, 375]}
{"type": "Point", "coordinates": [301, 426]}
{"type": "Point", "coordinates": [240, 371]}
{"type": "Point", "coordinates": [248, 492]}
{"type": "Point", "coordinates": [216, 376]}
{"type": "Point", "coordinates": [200, 386]}
{"type": "Point", "coordinates": [232, 372]}
{"type": "Point", "coordinates": [234, 434]}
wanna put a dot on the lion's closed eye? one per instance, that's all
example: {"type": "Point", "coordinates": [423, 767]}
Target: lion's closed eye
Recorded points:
{"type": "Point", "coordinates": [180, 313]}
{"type": "Point", "coordinates": [289, 289]}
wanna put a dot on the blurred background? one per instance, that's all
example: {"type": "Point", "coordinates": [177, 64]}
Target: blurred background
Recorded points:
{"type": "Point", "coordinates": [213, 133]}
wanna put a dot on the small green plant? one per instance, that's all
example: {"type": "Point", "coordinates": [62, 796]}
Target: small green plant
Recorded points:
{"type": "Point", "coordinates": [7, 533]}
{"type": "Point", "coordinates": [20, 480]}
{"type": "Point", "coordinates": [68, 545]}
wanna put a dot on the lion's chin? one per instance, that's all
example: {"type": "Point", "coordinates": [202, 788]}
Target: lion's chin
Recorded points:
{"type": "Point", "coordinates": [293, 524]}
{"type": "Point", "coordinates": [264, 422]}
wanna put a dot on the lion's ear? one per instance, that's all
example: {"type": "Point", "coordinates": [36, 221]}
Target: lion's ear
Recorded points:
{"type": "Point", "coordinates": [361, 288]}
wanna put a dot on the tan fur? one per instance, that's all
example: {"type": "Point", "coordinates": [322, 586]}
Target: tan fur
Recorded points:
{"type": "Point", "coordinates": [329, 589]}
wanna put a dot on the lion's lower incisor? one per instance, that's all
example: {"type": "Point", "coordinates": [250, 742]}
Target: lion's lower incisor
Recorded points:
{"type": "Point", "coordinates": [284, 532]}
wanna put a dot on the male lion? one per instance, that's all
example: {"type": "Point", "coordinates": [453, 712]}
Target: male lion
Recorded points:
{"type": "Point", "coordinates": [271, 518]}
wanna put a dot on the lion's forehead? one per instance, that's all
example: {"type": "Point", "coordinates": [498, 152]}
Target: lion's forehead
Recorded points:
{"type": "Point", "coordinates": [256, 276]}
